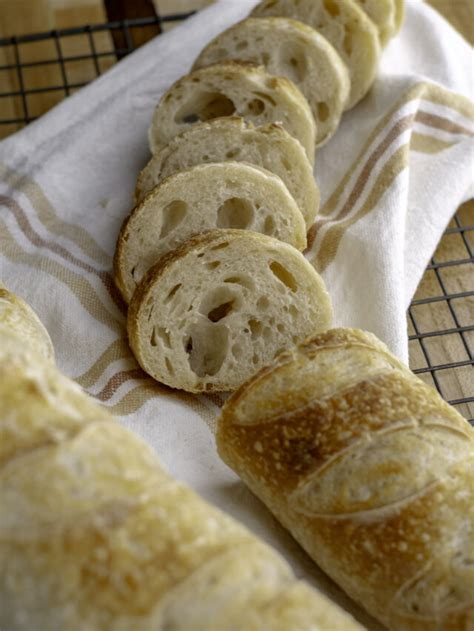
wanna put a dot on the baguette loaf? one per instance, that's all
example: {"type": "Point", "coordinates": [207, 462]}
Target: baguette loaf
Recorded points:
{"type": "Point", "coordinates": [302, 54]}
{"type": "Point", "coordinates": [383, 14]}
{"type": "Point", "coordinates": [202, 198]}
{"type": "Point", "coordinates": [233, 88]}
{"type": "Point", "coordinates": [269, 146]}
{"type": "Point", "coordinates": [370, 470]}
{"type": "Point", "coordinates": [213, 312]}
{"type": "Point", "coordinates": [95, 535]}
{"type": "Point", "coordinates": [18, 319]}
{"type": "Point", "coordinates": [345, 26]}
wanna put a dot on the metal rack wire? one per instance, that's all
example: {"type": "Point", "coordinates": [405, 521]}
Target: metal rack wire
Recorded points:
{"type": "Point", "coordinates": [56, 60]}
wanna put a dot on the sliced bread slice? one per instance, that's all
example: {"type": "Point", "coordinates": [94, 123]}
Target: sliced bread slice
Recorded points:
{"type": "Point", "coordinates": [345, 26]}
{"type": "Point", "coordinates": [204, 197]}
{"type": "Point", "coordinates": [301, 54]}
{"type": "Point", "coordinates": [224, 139]}
{"type": "Point", "coordinates": [233, 88]}
{"type": "Point", "coordinates": [383, 15]}
{"type": "Point", "coordinates": [223, 305]}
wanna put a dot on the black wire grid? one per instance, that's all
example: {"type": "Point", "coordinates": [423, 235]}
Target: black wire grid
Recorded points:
{"type": "Point", "coordinates": [429, 344]}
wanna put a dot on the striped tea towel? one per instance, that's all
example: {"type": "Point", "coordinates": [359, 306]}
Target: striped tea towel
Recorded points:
{"type": "Point", "coordinates": [399, 166]}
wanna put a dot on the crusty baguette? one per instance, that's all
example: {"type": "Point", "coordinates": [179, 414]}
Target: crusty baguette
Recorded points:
{"type": "Point", "coordinates": [95, 535]}
{"type": "Point", "coordinates": [345, 26]}
{"type": "Point", "coordinates": [233, 88]}
{"type": "Point", "coordinates": [383, 14]}
{"type": "Point", "coordinates": [217, 309]}
{"type": "Point", "coordinates": [370, 470]}
{"type": "Point", "coordinates": [21, 321]}
{"type": "Point", "coordinates": [202, 198]}
{"type": "Point", "coordinates": [224, 139]}
{"type": "Point", "coordinates": [303, 55]}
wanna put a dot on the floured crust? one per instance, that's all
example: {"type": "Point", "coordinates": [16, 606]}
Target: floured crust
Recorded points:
{"type": "Point", "coordinates": [370, 470]}
{"type": "Point", "coordinates": [345, 26]}
{"type": "Point", "coordinates": [302, 55]}
{"type": "Point", "coordinates": [17, 318]}
{"type": "Point", "coordinates": [233, 88]}
{"type": "Point", "coordinates": [94, 534]}
{"type": "Point", "coordinates": [226, 298]}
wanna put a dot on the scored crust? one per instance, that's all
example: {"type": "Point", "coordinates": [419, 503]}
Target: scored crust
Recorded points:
{"type": "Point", "coordinates": [303, 56]}
{"type": "Point", "coordinates": [369, 469]}
{"type": "Point", "coordinates": [233, 88]}
{"type": "Point", "coordinates": [211, 295]}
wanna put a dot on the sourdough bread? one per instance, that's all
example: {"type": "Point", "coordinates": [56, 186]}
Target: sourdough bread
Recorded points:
{"type": "Point", "coordinates": [268, 146]}
{"type": "Point", "coordinates": [221, 306]}
{"type": "Point", "coordinates": [233, 88]}
{"type": "Point", "coordinates": [195, 200]}
{"type": "Point", "coordinates": [301, 54]}
{"type": "Point", "coordinates": [345, 26]}
{"type": "Point", "coordinates": [369, 469]}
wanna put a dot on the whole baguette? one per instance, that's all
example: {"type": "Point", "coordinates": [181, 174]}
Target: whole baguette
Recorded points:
{"type": "Point", "coordinates": [369, 469]}
{"type": "Point", "coordinates": [96, 536]}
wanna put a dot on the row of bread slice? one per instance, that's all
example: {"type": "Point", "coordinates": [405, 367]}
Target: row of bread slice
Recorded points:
{"type": "Point", "coordinates": [96, 535]}
{"type": "Point", "coordinates": [206, 332]}
{"type": "Point", "coordinates": [312, 60]}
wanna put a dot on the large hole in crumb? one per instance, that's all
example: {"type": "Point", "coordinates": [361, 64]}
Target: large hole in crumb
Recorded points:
{"type": "Point", "coordinates": [205, 106]}
{"type": "Point", "coordinates": [244, 281]}
{"type": "Point", "coordinates": [283, 275]}
{"type": "Point", "coordinates": [235, 213]}
{"type": "Point", "coordinates": [269, 225]}
{"type": "Point", "coordinates": [255, 107]}
{"type": "Point", "coordinates": [331, 7]}
{"type": "Point", "coordinates": [207, 347]}
{"type": "Point", "coordinates": [172, 292]}
{"type": "Point", "coordinates": [221, 311]}
{"type": "Point", "coordinates": [293, 64]}
{"type": "Point", "coordinates": [323, 111]}
{"type": "Point", "coordinates": [348, 41]}
{"type": "Point", "coordinates": [255, 328]}
{"type": "Point", "coordinates": [173, 215]}
{"type": "Point", "coordinates": [219, 303]}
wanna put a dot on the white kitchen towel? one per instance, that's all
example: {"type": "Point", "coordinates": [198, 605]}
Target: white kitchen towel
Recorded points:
{"type": "Point", "coordinates": [391, 178]}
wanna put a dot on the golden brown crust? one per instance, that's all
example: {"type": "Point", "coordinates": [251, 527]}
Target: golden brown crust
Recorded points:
{"type": "Point", "coordinates": [374, 479]}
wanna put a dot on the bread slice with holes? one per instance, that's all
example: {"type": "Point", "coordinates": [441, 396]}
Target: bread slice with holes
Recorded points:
{"type": "Point", "coordinates": [222, 306]}
{"type": "Point", "coordinates": [195, 200]}
{"type": "Point", "coordinates": [224, 139]}
{"type": "Point", "coordinates": [303, 55]}
{"type": "Point", "coordinates": [345, 26]}
{"type": "Point", "coordinates": [233, 88]}
{"type": "Point", "coordinates": [383, 15]}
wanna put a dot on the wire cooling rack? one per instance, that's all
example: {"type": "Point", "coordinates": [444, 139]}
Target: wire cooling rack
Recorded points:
{"type": "Point", "coordinates": [44, 68]}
